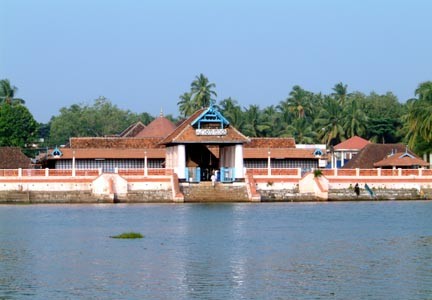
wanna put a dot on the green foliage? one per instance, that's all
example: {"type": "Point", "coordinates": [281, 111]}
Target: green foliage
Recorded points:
{"type": "Point", "coordinates": [308, 117]}
{"type": "Point", "coordinates": [419, 118]}
{"type": "Point", "coordinates": [199, 96]}
{"type": "Point", "coordinates": [329, 122]}
{"type": "Point", "coordinates": [128, 235]}
{"type": "Point", "coordinates": [318, 173]}
{"type": "Point", "coordinates": [7, 93]}
{"type": "Point", "coordinates": [17, 125]}
{"type": "Point", "coordinates": [97, 120]}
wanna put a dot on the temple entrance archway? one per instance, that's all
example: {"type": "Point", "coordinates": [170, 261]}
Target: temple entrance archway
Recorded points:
{"type": "Point", "coordinates": [202, 161]}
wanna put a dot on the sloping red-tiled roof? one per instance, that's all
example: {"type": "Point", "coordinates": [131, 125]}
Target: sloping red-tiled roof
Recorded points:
{"type": "Point", "coordinates": [133, 130]}
{"type": "Point", "coordinates": [106, 153]}
{"type": "Point", "coordinates": [173, 135]}
{"type": "Point", "coordinates": [114, 142]}
{"type": "Point", "coordinates": [354, 143]}
{"type": "Point", "coordinates": [400, 160]}
{"type": "Point", "coordinates": [270, 143]}
{"type": "Point", "coordinates": [185, 133]}
{"type": "Point", "coordinates": [159, 127]}
{"type": "Point", "coordinates": [13, 158]}
{"type": "Point", "coordinates": [278, 153]}
{"type": "Point", "coordinates": [373, 153]}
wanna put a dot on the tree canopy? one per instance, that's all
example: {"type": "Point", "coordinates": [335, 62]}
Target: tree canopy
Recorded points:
{"type": "Point", "coordinates": [102, 118]}
{"type": "Point", "coordinates": [307, 116]}
{"type": "Point", "coordinates": [7, 93]}
{"type": "Point", "coordinates": [199, 96]}
{"type": "Point", "coordinates": [17, 125]}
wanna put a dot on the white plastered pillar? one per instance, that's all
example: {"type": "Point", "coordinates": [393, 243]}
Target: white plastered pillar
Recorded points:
{"type": "Point", "coordinates": [238, 161]}
{"type": "Point", "coordinates": [342, 158]}
{"type": "Point", "coordinates": [181, 161]}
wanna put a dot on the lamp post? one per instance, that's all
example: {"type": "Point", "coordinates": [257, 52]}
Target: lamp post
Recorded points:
{"type": "Point", "coordinates": [145, 164]}
{"type": "Point", "coordinates": [268, 163]}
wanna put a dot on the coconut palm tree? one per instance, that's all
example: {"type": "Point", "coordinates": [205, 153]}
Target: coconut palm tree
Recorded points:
{"type": "Point", "coordinates": [269, 121]}
{"type": "Point", "coordinates": [419, 115]}
{"type": "Point", "coordinates": [299, 101]}
{"type": "Point", "coordinates": [302, 132]}
{"type": "Point", "coordinates": [228, 107]}
{"type": "Point", "coordinates": [329, 122]}
{"type": "Point", "coordinates": [252, 118]}
{"type": "Point", "coordinates": [202, 91]}
{"type": "Point", "coordinates": [354, 119]}
{"type": "Point", "coordinates": [186, 105]}
{"type": "Point", "coordinates": [340, 93]}
{"type": "Point", "coordinates": [7, 93]}
{"type": "Point", "coordinates": [424, 91]}
{"type": "Point", "coordinates": [285, 113]}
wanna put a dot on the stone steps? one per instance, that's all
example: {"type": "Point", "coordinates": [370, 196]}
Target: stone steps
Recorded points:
{"type": "Point", "coordinates": [221, 192]}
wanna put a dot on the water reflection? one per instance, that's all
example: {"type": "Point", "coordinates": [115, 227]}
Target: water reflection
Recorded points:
{"type": "Point", "coordinates": [213, 251]}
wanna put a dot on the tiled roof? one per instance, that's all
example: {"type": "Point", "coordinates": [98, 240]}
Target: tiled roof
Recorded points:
{"type": "Point", "coordinates": [279, 153]}
{"type": "Point", "coordinates": [400, 160]}
{"type": "Point", "coordinates": [13, 158]}
{"type": "Point", "coordinates": [159, 127]}
{"type": "Point", "coordinates": [271, 143]}
{"type": "Point", "coordinates": [133, 130]}
{"type": "Point", "coordinates": [185, 133]}
{"type": "Point", "coordinates": [354, 143]}
{"type": "Point", "coordinates": [114, 142]}
{"type": "Point", "coordinates": [99, 153]}
{"type": "Point", "coordinates": [373, 153]}
{"type": "Point", "coordinates": [173, 135]}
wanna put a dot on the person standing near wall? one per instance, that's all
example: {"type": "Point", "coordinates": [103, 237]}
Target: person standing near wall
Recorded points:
{"type": "Point", "coordinates": [357, 189]}
{"type": "Point", "coordinates": [213, 179]}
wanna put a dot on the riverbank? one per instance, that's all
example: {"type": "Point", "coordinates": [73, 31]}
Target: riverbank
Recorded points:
{"type": "Point", "coordinates": [130, 186]}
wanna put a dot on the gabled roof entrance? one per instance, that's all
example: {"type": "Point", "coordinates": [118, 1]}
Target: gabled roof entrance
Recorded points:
{"type": "Point", "coordinates": [210, 116]}
{"type": "Point", "coordinates": [205, 126]}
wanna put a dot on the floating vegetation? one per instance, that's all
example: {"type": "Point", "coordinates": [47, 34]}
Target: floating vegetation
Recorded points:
{"type": "Point", "coordinates": [128, 235]}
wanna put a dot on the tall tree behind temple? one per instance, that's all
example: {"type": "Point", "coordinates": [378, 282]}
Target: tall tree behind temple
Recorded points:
{"type": "Point", "coordinates": [384, 114]}
{"type": "Point", "coordinates": [340, 93]}
{"type": "Point", "coordinates": [97, 120]}
{"type": "Point", "coordinates": [202, 91]}
{"type": "Point", "coordinates": [329, 123]}
{"type": "Point", "coordinates": [7, 93]}
{"type": "Point", "coordinates": [354, 119]}
{"type": "Point", "coordinates": [17, 125]}
{"type": "Point", "coordinates": [419, 117]}
{"type": "Point", "coordinates": [200, 95]}
{"type": "Point", "coordinates": [186, 105]}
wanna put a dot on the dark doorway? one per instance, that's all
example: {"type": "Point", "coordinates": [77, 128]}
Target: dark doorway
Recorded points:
{"type": "Point", "coordinates": [203, 157]}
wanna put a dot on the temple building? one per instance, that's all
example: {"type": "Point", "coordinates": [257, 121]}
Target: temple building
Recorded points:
{"type": "Point", "coordinates": [203, 144]}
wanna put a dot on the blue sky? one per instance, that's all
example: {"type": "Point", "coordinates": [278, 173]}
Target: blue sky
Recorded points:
{"type": "Point", "coordinates": [142, 55]}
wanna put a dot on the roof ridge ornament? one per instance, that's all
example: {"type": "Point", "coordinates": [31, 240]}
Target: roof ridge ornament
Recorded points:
{"type": "Point", "coordinates": [406, 153]}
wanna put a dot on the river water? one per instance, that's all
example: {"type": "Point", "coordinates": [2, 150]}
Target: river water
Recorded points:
{"type": "Point", "coordinates": [349, 250]}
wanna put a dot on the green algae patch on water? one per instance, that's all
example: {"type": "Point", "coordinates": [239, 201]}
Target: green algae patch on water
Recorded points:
{"type": "Point", "coordinates": [128, 235]}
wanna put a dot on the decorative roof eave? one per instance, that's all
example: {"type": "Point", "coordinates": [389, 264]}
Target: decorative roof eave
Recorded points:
{"type": "Point", "coordinates": [213, 111]}
{"type": "Point", "coordinates": [185, 133]}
